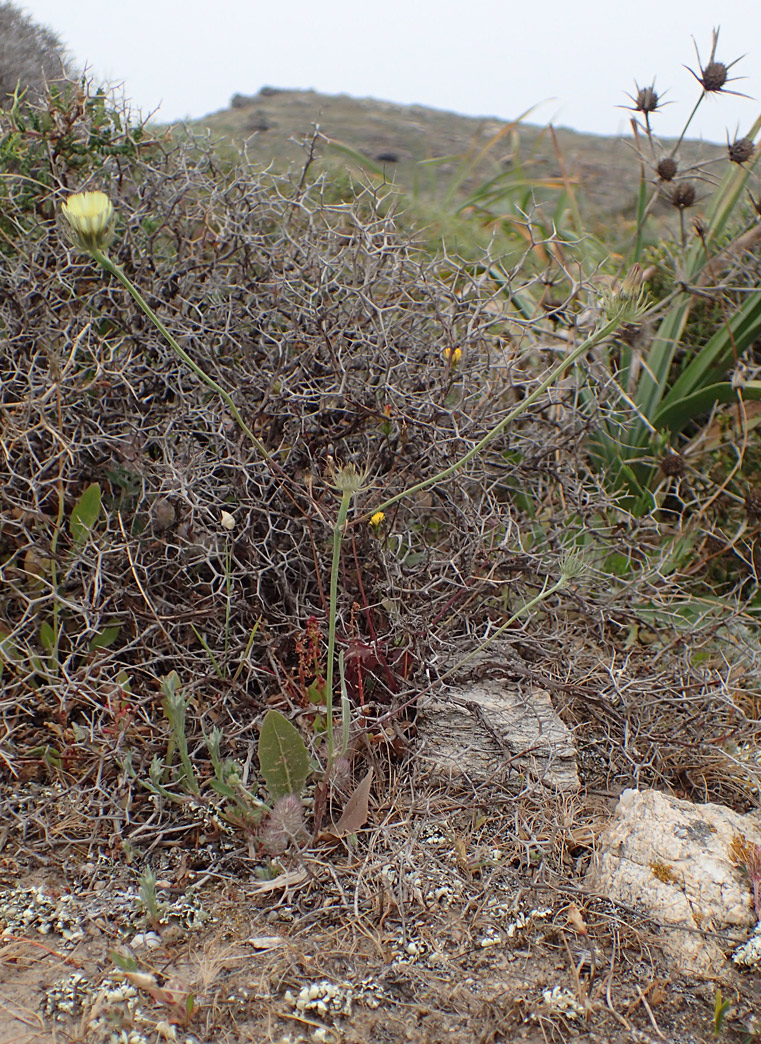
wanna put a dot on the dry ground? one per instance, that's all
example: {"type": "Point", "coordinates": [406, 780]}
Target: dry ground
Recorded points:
{"type": "Point", "coordinates": [455, 916]}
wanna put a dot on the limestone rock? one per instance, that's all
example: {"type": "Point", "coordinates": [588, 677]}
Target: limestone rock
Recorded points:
{"type": "Point", "coordinates": [678, 862]}
{"type": "Point", "coordinates": [489, 732]}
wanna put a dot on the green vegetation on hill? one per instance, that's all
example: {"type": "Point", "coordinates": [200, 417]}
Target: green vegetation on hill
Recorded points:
{"type": "Point", "coordinates": [438, 160]}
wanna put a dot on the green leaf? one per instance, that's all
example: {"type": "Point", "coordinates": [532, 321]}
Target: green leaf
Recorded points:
{"type": "Point", "coordinates": [85, 514]}
{"type": "Point", "coordinates": [105, 637]}
{"type": "Point", "coordinates": [675, 414]}
{"type": "Point", "coordinates": [720, 1008]}
{"type": "Point", "coordinates": [316, 692]}
{"type": "Point", "coordinates": [47, 638]}
{"type": "Point", "coordinates": [720, 351]}
{"type": "Point", "coordinates": [283, 757]}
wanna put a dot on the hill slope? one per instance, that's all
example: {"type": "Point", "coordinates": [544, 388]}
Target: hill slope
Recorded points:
{"type": "Point", "coordinates": [422, 148]}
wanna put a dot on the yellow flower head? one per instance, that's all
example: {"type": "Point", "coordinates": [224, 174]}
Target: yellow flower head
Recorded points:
{"type": "Point", "coordinates": [377, 520]}
{"type": "Point", "coordinates": [453, 355]}
{"type": "Point", "coordinates": [90, 216]}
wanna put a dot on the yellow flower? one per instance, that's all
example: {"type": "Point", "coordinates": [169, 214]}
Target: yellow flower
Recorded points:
{"type": "Point", "coordinates": [90, 216]}
{"type": "Point", "coordinates": [453, 355]}
{"type": "Point", "coordinates": [377, 520]}
{"type": "Point", "coordinates": [227, 520]}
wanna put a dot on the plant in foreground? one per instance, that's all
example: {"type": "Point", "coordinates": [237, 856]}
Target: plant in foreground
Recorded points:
{"type": "Point", "coordinates": [283, 758]}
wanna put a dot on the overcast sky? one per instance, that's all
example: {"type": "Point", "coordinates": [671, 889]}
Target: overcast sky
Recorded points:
{"type": "Point", "coordinates": [574, 61]}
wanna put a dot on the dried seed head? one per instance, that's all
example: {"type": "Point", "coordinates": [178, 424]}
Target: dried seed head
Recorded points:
{"type": "Point", "coordinates": [340, 773]}
{"type": "Point", "coordinates": [646, 100]}
{"type": "Point", "coordinates": [347, 478]}
{"type": "Point", "coordinates": [740, 150]}
{"type": "Point", "coordinates": [633, 282]}
{"type": "Point", "coordinates": [683, 196]}
{"type": "Point", "coordinates": [284, 824]}
{"type": "Point", "coordinates": [667, 168]}
{"type": "Point", "coordinates": [714, 76]}
{"type": "Point", "coordinates": [572, 565]}
{"type": "Point", "coordinates": [753, 504]}
{"type": "Point", "coordinates": [673, 464]}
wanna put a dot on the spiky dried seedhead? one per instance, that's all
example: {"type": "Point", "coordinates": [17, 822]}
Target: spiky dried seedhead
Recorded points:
{"type": "Point", "coordinates": [714, 75]}
{"type": "Point", "coordinates": [673, 464]}
{"type": "Point", "coordinates": [646, 100]}
{"type": "Point", "coordinates": [740, 150]}
{"type": "Point", "coordinates": [667, 168]}
{"type": "Point", "coordinates": [683, 196]}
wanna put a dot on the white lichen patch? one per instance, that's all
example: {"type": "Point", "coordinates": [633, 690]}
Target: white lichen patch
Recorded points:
{"type": "Point", "coordinates": [111, 1009]}
{"type": "Point", "coordinates": [429, 891]}
{"type": "Point", "coordinates": [558, 1001]}
{"type": "Point", "coordinates": [518, 925]}
{"type": "Point", "coordinates": [23, 910]}
{"type": "Point", "coordinates": [748, 955]}
{"type": "Point", "coordinates": [329, 998]}
{"type": "Point", "coordinates": [69, 996]}
{"type": "Point", "coordinates": [407, 950]}
{"type": "Point", "coordinates": [322, 998]}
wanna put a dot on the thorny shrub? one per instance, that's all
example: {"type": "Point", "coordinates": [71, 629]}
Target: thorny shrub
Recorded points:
{"type": "Point", "coordinates": [340, 342]}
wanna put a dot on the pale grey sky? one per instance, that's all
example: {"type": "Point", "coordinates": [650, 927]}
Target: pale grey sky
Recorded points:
{"type": "Point", "coordinates": [572, 59]}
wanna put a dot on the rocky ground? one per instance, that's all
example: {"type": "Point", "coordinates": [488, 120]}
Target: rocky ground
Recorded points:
{"type": "Point", "coordinates": [489, 898]}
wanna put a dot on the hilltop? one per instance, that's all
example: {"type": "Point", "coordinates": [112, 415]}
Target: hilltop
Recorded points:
{"type": "Point", "coordinates": [422, 148]}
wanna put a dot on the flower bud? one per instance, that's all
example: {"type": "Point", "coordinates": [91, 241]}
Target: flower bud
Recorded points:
{"type": "Point", "coordinates": [90, 217]}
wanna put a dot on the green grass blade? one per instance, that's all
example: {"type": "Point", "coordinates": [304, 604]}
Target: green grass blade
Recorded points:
{"type": "Point", "coordinates": [680, 412]}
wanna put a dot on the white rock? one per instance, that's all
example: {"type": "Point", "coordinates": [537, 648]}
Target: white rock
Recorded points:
{"type": "Point", "coordinates": [491, 732]}
{"type": "Point", "coordinates": [674, 860]}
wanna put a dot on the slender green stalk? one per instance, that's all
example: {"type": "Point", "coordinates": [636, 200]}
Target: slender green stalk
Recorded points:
{"type": "Point", "coordinates": [338, 528]}
{"type": "Point", "coordinates": [110, 266]}
{"type": "Point", "coordinates": [581, 349]}
{"type": "Point", "coordinates": [687, 124]}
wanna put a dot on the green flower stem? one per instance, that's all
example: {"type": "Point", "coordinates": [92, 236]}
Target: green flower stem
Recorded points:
{"type": "Point", "coordinates": [687, 124]}
{"type": "Point", "coordinates": [550, 379]}
{"type": "Point", "coordinates": [343, 510]}
{"type": "Point", "coordinates": [110, 266]}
